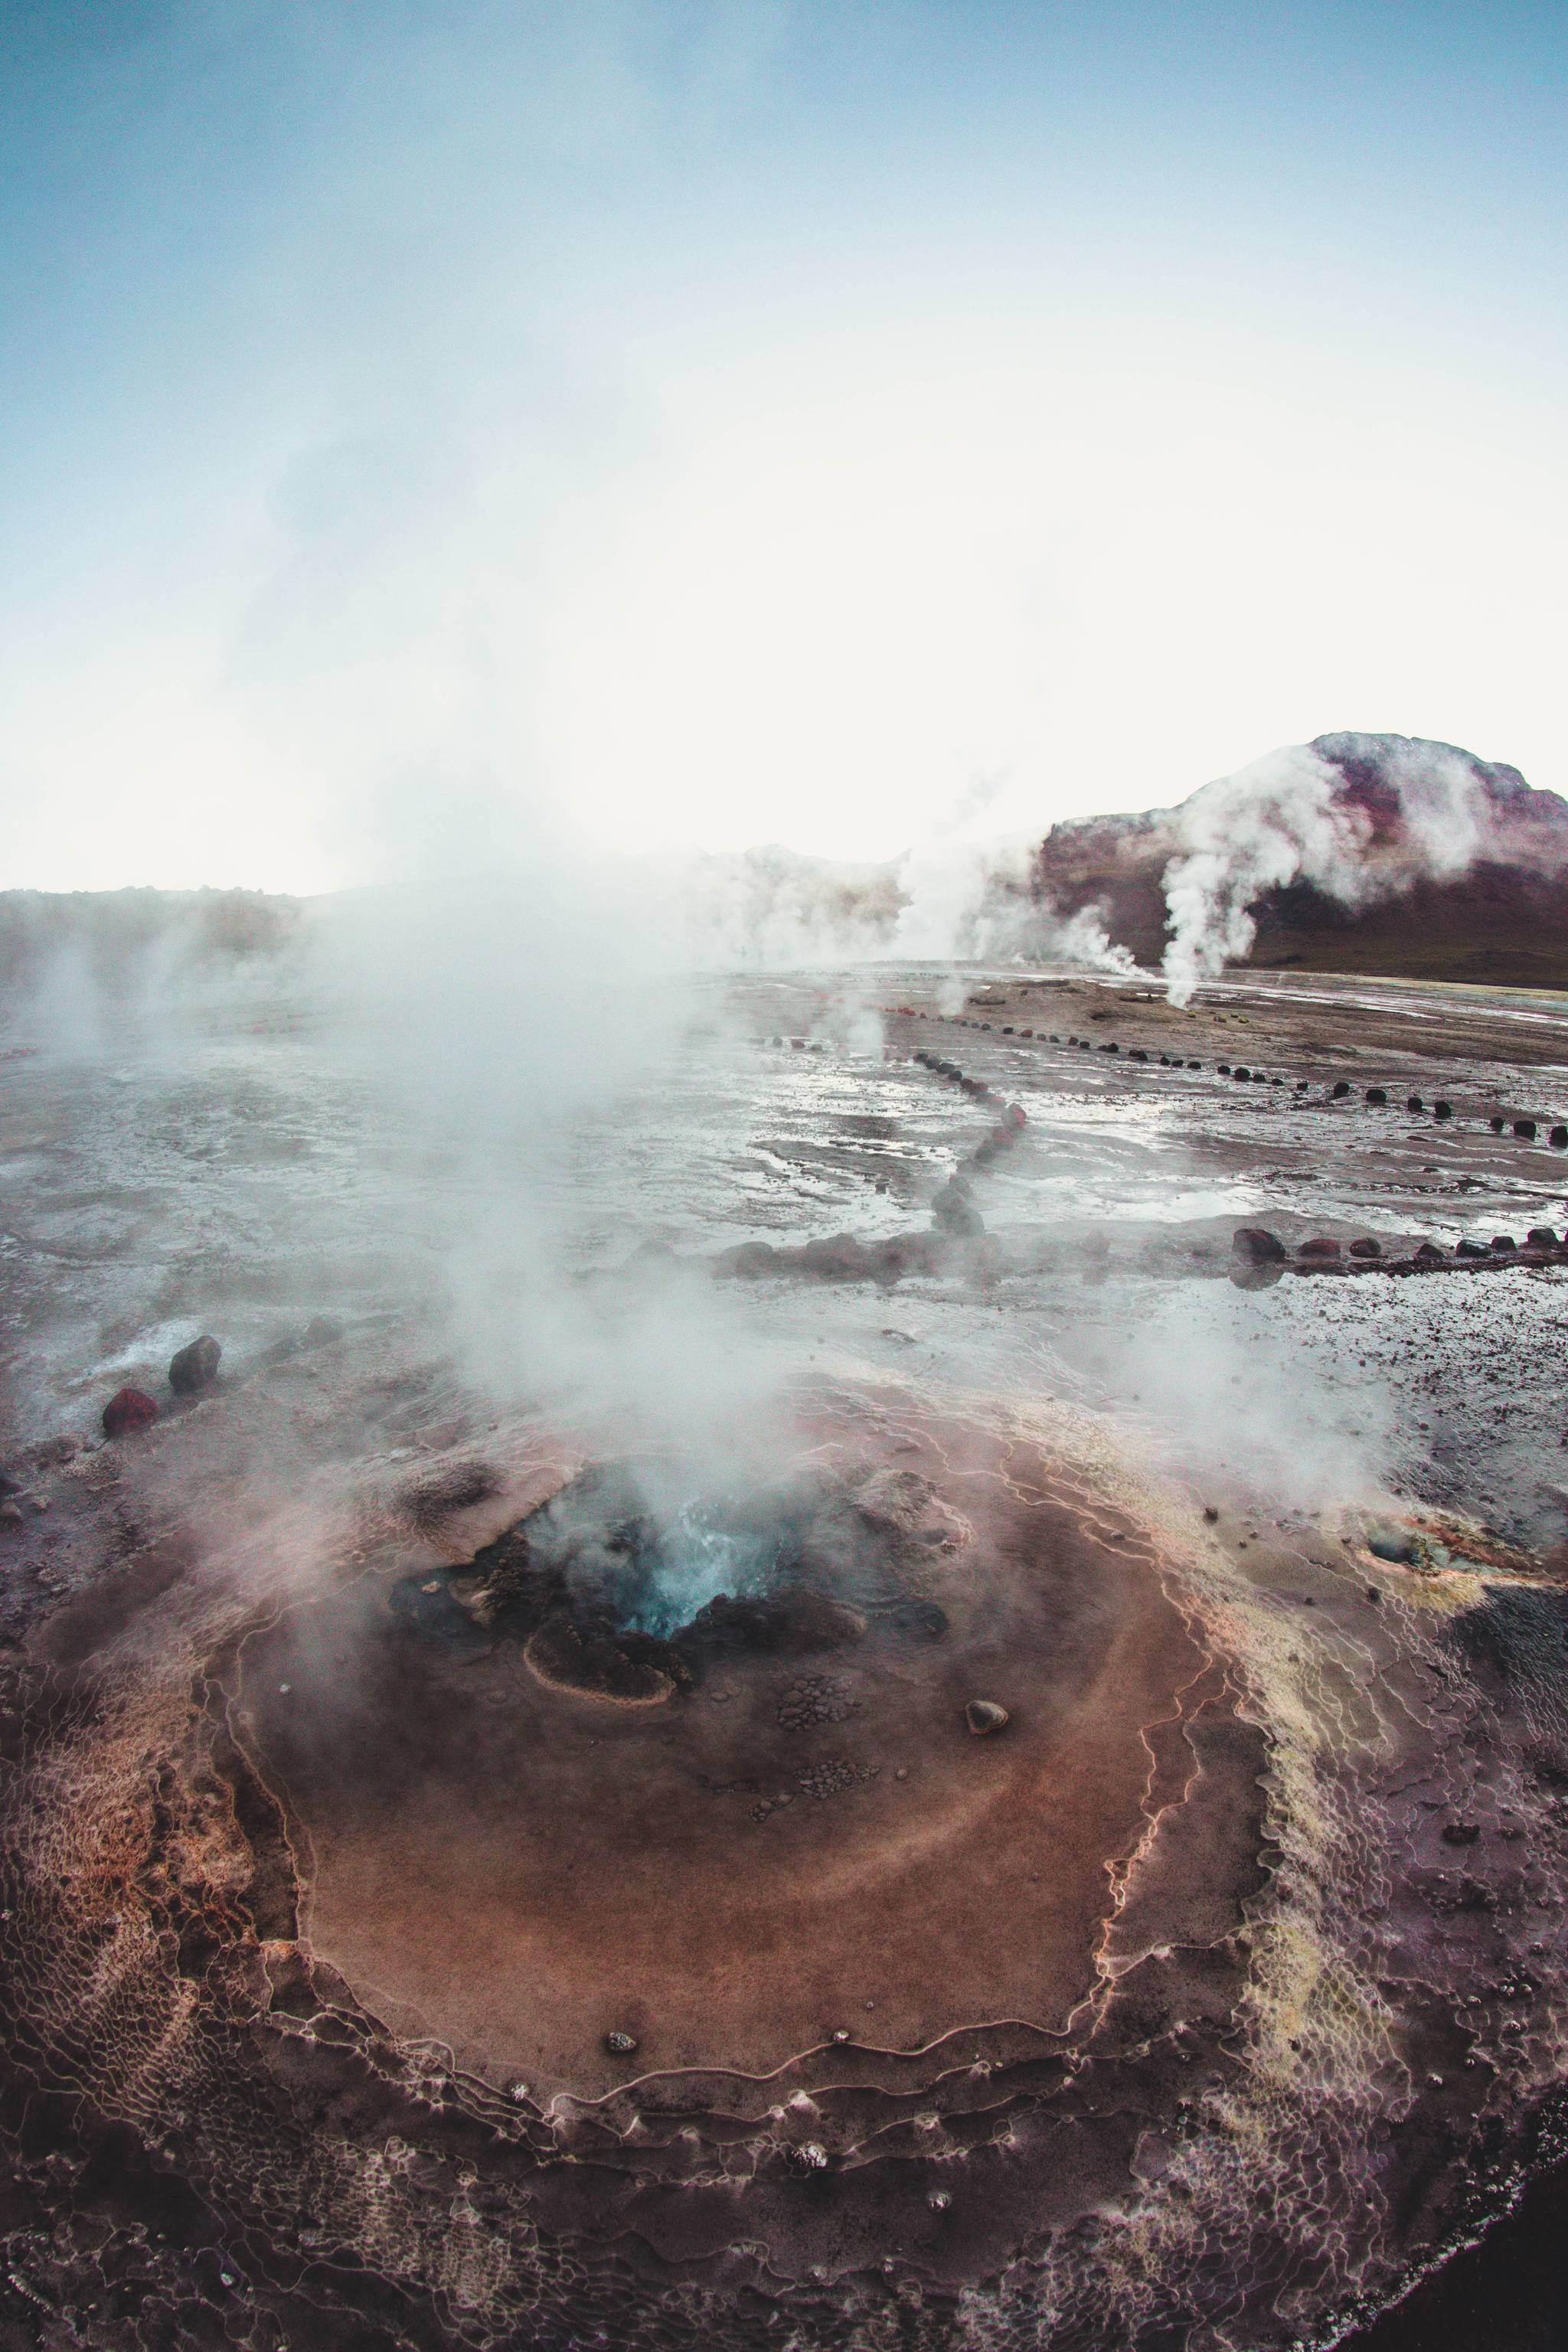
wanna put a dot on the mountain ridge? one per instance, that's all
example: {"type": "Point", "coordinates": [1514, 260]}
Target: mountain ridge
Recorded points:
{"type": "Point", "coordinates": [1382, 853]}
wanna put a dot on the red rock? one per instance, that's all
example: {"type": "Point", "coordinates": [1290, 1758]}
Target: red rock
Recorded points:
{"type": "Point", "coordinates": [127, 1411]}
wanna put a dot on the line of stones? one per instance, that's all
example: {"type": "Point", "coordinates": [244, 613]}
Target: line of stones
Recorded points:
{"type": "Point", "coordinates": [1252, 1244]}
{"type": "Point", "coordinates": [954, 1208]}
{"type": "Point", "coordinates": [1263, 1253]}
{"type": "Point", "coordinates": [1528, 1129]}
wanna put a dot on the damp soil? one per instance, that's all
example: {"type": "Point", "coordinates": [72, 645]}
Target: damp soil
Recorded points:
{"type": "Point", "coordinates": [1220, 1991]}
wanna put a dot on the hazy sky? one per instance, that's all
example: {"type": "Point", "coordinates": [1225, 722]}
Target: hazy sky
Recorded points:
{"type": "Point", "coordinates": [720, 421]}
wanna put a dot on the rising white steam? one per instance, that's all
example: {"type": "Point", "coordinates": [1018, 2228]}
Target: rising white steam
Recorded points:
{"type": "Point", "coordinates": [944, 901]}
{"type": "Point", "coordinates": [1288, 818]}
{"type": "Point", "coordinates": [1084, 939]}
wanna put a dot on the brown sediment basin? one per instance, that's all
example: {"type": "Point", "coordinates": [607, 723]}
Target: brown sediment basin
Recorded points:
{"type": "Point", "coordinates": [736, 1875]}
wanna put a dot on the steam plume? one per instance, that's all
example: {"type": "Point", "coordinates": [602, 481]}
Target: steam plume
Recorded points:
{"type": "Point", "coordinates": [1289, 817]}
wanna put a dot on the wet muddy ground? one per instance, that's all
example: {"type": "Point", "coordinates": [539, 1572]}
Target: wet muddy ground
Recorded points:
{"type": "Point", "coordinates": [1398, 2001]}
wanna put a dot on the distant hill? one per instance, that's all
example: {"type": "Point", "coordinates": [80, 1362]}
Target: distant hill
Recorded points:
{"type": "Point", "coordinates": [1382, 854]}
{"type": "Point", "coordinates": [109, 934]}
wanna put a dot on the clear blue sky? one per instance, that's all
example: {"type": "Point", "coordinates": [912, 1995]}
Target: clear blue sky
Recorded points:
{"type": "Point", "coordinates": [757, 421]}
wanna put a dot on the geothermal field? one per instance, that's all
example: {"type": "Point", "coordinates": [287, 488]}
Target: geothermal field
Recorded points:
{"type": "Point", "coordinates": [896, 1676]}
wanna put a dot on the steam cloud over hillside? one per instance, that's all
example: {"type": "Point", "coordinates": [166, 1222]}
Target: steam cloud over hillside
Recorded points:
{"type": "Point", "coordinates": [1376, 852]}
{"type": "Point", "coordinates": [1337, 853]}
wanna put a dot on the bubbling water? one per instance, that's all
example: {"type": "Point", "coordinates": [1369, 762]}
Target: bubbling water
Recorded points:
{"type": "Point", "coordinates": [691, 1560]}
{"type": "Point", "coordinates": [655, 1557]}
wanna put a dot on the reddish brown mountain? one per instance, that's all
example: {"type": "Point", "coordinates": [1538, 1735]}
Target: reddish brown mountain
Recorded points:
{"type": "Point", "coordinates": [1437, 865]}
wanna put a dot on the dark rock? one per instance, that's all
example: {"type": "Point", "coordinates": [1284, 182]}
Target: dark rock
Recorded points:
{"type": "Point", "coordinates": [1541, 1237]}
{"type": "Point", "coordinates": [195, 1367]}
{"type": "Point", "coordinates": [620, 2045]}
{"type": "Point", "coordinates": [1460, 1833]}
{"type": "Point", "coordinates": [10, 1515]}
{"type": "Point", "coordinates": [1320, 1246]}
{"type": "Point", "coordinates": [1242, 1072]}
{"type": "Point", "coordinates": [649, 1254]}
{"type": "Point", "coordinates": [983, 1715]}
{"type": "Point", "coordinates": [920, 1253]}
{"type": "Point", "coordinates": [1430, 1254]}
{"type": "Point", "coordinates": [954, 1213]}
{"type": "Point", "coordinates": [1258, 1245]}
{"type": "Point", "coordinates": [796, 1619]}
{"type": "Point", "coordinates": [840, 1257]}
{"type": "Point", "coordinates": [1497, 1122]}
{"type": "Point", "coordinates": [1378, 1094]}
{"type": "Point", "coordinates": [1112, 1048]}
{"type": "Point", "coordinates": [1525, 1130]}
{"type": "Point", "coordinates": [127, 1411]}
{"type": "Point", "coordinates": [1558, 1139]}
{"type": "Point", "coordinates": [1366, 1247]}
{"type": "Point", "coordinates": [1341, 1086]}
{"type": "Point", "coordinates": [1442, 1110]}
{"type": "Point", "coordinates": [1225, 1069]}
{"type": "Point", "coordinates": [1414, 1103]}
{"type": "Point", "coordinates": [1195, 1066]}
{"type": "Point", "coordinates": [1504, 1241]}
{"type": "Point", "coordinates": [746, 1260]}
{"type": "Point", "coordinates": [1468, 1248]}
